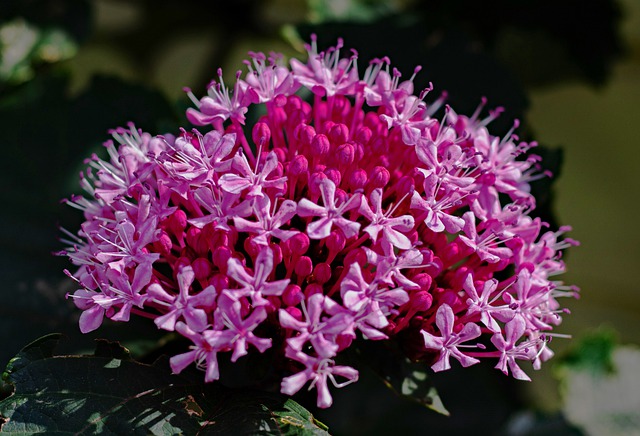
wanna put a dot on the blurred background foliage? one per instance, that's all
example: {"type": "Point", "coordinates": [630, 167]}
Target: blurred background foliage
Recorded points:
{"type": "Point", "coordinates": [569, 70]}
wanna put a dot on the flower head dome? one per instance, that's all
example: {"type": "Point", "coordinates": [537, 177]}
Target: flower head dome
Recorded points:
{"type": "Point", "coordinates": [346, 211]}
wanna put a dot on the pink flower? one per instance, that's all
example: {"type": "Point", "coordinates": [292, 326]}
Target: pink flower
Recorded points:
{"type": "Point", "coordinates": [318, 370]}
{"type": "Point", "coordinates": [183, 305]}
{"type": "Point", "coordinates": [258, 285]}
{"type": "Point", "coordinates": [391, 227]}
{"type": "Point", "coordinates": [320, 331]}
{"type": "Point", "coordinates": [449, 342]}
{"type": "Point", "coordinates": [351, 214]}
{"type": "Point", "coordinates": [234, 331]}
{"type": "Point", "coordinates": [330, 214]}
{"type": "Point", "coordinates": [510, 352]}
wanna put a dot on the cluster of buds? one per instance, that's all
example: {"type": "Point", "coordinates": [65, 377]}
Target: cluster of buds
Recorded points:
{"type": "Point", "coordinates": [346, 211]}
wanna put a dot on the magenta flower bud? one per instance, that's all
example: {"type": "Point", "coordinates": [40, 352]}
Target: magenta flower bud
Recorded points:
{"type": "Point", "coordinates": [338, 134]}
{"type": "Point", "coordinates": [277, 253]}
{"type": "Point", "coordinates": [278, 115]}
{"type": "Point", "coordinates": [177, 222]}
{"type": "Point", "coordinates": [421, 301]}
{"type": "Point", "coordinates": [285, 248]}
{"type": "Point", "coordinates": [341, 196]}
{"type": "Point", "coordinates": [358, 179]}
{"type": "Point", "coordinates": [405, 185]}
{"type": "Point", "coordinates": [345, 154]}
{"type": "Point", "coordinates": [163, 245]}
{"type": "Point", "coordinates": [334, 175]}
{"type": "Point", "coordinates": [423, 280]}
{"type": "Point", "coordinates": [336, 241]}
{"type": "Point", "coordinates": [320, 145]}
{"type": "Point", "coordinates": [219, 281]}
{"type": "Point", "coordinates": [312, 289]}
{"type": "Point", "coordinates": [322, 273]}
{"type": "Point", "coordinates": [201, 268]}
{"type": "Point", "coordinates": [299, 243]}
{"type": "Point", "coordinates": [261, 134]}
{"type": "Point", "coordinates": [304, 134]}
{"type": "Point", "coordinates": [281, 154]}
{"type": "Point", "coordinates": [416, 322]}
{"type": "Point", "coordinates": [278, 170]}
{"type": "Point", "coordinates": [292, 295]}
{"type": "Point", "coordinates": [341, 107]}
{"type": "Point", "coordinates": [344, 341]}
{"type": "Point", "coordinates": [363, 135]}
{"type": "Point", "coordinates": [379, 177]}
{"type": "Point", "coordinates": [299, 165]}
{"type": "Point", "coordinates": [220, 256]}
{"type": "Point", "coordinates": [295, 312]}
{"type": "Point", "coordinates": [314, 181]}
{"type": "Point", "coordinates": [295, 119]}
{"type": "Point", "coordinates": [372, 121]}
{"type": "Point", "coordinates": [356, 256]}
{"type": "Point", "coordinates": [251, 247]}
{"type": "Point", "coordinates": [294, 104]}
{"type": "Point", "coordinates": [181, 262]}
{"type": "Point", "coordinates": [304, 266]}
{"type": "Point", "coordinates": [196, 242]}
{"type": "Point", "coordinates": [358, 152]}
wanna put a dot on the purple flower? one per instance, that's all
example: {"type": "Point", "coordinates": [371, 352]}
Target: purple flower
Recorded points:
{"type": "Point", "coordinates": [253, 180]}
{"type": "Point", "coordinates": [183, 305]}
{"type": "Point", "coordinates": [391, 227]}
{"type": "Point", "coordinates": [204, 354]}
{"type": "Point", "coordinates": [482, 304]}
{"type": "Point", "coordinates": [330, 214]}
{"type": "Point", "coordinates": [449, 342]}
{"type": "Point", "coordinates": [510, 351]}
{"type": "Point", "coordinates": [220, 104]}
{"type": "Point", "coordinates": [318, 370]}
{"type": "Point", "coordinates": [320, 331]}
{"type": "Point", "coordinates": [268, 224]}
{"type": "Point", "coordinates": [234, 331]}
{"type": "Point", "coordinates": [258, 285]}
{"type": "Point", "coordinates": [295, 233]}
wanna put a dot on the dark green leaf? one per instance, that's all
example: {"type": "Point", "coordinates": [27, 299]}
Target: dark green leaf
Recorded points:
{"type": "Point", "coordinates": [451, 60]}
{"type": "Point", "coordinates": [535, 37]}
{"type": "Point", "coordinates": [407, 379]}
{"type": "Point", "coordinates": [110, 393]}
{"type": "Point", "coordinates": [295, 420]}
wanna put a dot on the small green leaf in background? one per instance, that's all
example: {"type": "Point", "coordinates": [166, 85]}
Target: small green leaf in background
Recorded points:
{"type": "Point", "coordinates": [109, 393]}
{"type": "Point", "coordinates": [24, 46]}
{"type": "Point", "coordinates": [592, 353]}
{"type": "Point", "coordinates": [349, 10]}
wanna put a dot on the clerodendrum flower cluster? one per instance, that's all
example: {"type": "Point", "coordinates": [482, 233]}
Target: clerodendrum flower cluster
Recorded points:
{"type": "Point", "coordinates": [353, 213]}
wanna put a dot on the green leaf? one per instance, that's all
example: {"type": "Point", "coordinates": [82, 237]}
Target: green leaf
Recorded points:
{"type": "Point", "coordinates": [407, 379]}
{"type": "Point", "coordinates": [593, 353]}
{"type": "Point", "coordinates": [295, 419]}
{"type": "Point", "coordinates": [352, 10]}
{"type": "Point", "coordinates": [110, 393]}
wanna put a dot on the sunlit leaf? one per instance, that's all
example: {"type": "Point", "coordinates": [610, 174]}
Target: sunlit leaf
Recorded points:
{"type": "Point", "coordinates": [109, 392]}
